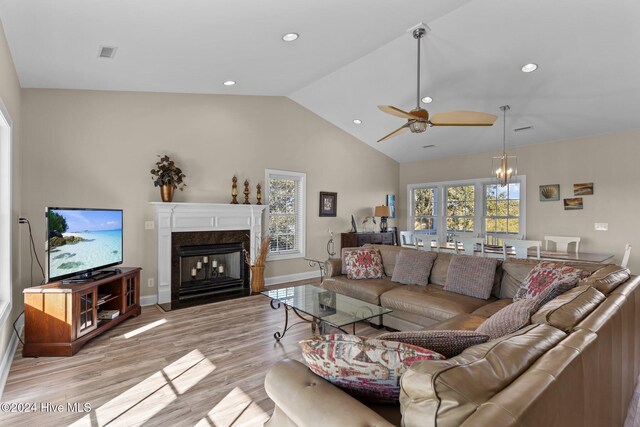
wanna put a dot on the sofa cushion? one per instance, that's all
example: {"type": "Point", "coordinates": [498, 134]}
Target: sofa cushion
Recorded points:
{"type": "Point", "coordinates": [440, 269]}
{"type": "Point", "coordinates": [548, 274]}
{"type": "Point", "coordinates": [449, 343]}
{"type": "Point", "coordinates": [514, 271]}
{"type": "Point", "coordinates": [492, 308]}
{"type": "Point", "coordinates": [607, 278]}
{"type": "Point", "coordinates": [364, 264]}
{"type": "Point", "coordinates": [568, 309]}
{"type": "Point", "coordinates": [368, 290]}
{"type": "Point", "coordinates": [430, 301]}
{"type": "Point", "coordinates": [365, 367]}
{"type": "Point", "coordinates": [447, 392]}
{"type": "Point", "coordinates": [413, 267]}
{"type": "Point", "coordinates": [471, 275]}
{"type": "Point", "coordinates": [461, 322]}
{"type": "Point", "coordinates": [389, 254]}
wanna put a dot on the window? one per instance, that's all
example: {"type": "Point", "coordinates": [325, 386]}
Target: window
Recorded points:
{"type": "Point", "coordinates": [475, 207]}
{"type": "Point", "coordinates": [5, 213]}
{"type": "Point", "coordinates": [502, 209]}
{"type": "Point", "coordinates": [286, 213]}
{"type": "Point", "coordinates": [423, 209]}
{"type": "Point", "coordinates": [460, 208]}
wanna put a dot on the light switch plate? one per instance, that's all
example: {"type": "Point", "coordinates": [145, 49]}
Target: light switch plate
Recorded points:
{"type": "Point", "coordinates": [602, 226]}
{"type": "Point", "coordinates": [149, 225]}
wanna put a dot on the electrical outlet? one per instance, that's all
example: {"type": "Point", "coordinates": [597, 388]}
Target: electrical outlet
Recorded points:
{"type": "Point", "coordinates": [602, 226]}
{"type": "Point", "coordinates": [150, 283]}
{"type": "Point", "coordinates": [149, 225]}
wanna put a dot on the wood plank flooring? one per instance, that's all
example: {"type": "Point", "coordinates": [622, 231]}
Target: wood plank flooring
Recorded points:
{"type": "Point", "coordinates": [199, 366]}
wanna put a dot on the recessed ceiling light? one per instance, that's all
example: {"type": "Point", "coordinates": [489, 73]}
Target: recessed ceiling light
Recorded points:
{"type": "Point", "coordinates": [529, 68]}
{"type": "Point", "coordinates": [229, 83]}
{"type": "Point", "coordinates": [289, 37]}
{"type": "Point", "coordinates": [427, 99]}
{"type": "Point", "coordinates": [357, 121]}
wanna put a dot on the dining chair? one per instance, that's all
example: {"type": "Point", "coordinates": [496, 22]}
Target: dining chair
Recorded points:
{"type": "Point", "coordinates": [426, 240]}
{"type": "Point", "coordinates": [406, 239]}
{"type": "Point", "coordinates": [521, 247]}
{"type": "Point", "coordinates": [562, 243]}
{"type": "Point", "coordinates": [625, 257]}
{"type": "Point", "coordinates": [469, 244]}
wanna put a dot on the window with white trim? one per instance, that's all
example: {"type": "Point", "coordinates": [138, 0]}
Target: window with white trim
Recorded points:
{"type": "Point", "coordinates": [476, 207]}
{"type": "Point", "coordinates": [285, 216]}
{"type": "Point", "coordinates": [5, 213]}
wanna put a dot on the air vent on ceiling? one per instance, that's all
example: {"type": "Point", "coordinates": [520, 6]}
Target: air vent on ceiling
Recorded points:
{"type": "Point", "coordinates": [107, 52]}
{"type": "Point", "coordinates": [523, 128]}
{"type": "Point", "coordinates": [429, 146]}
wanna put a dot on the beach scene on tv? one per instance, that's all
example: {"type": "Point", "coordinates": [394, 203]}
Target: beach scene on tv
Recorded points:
{"type": "Point", "coordinates": [80, 240]}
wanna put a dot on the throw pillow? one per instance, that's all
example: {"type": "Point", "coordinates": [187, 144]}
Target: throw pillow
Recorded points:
{"type": "Point", "coordinates": [546, 274]}
{"type": "Point", "coordinates": [413, 267]}
{"type": "Point", "coordinates": [344, 253]}
{"type": "Point", "coordinates": [447, 343]}
{"type": "Point", "coordinates": [364, 264]}
{"type": "Point", "coordinates": [367, 368]}
{"type": "Point", "coordinates": [471, 275]}
{"type": "Point", "coordinates": [515, 316]}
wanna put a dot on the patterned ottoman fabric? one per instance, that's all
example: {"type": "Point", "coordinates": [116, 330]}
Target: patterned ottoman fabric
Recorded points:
{"type": "Point", "coordinates": [546, 274]}
{"type": "Point", "coordinates": [447, 343]}
{"type": "Point", "coordinates": [367, 368]}
{"type": "Point", "coordinates": [471, 276]}
{"type": "Point", "coordinates": [413, 267]}
{"type": "Point", "coordinates": [364, 264]}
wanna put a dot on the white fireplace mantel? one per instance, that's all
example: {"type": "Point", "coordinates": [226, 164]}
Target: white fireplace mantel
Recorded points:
{"type": "Point", "coordinates": [179, 217]}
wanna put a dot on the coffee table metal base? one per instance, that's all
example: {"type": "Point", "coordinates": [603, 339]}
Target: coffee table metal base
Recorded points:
{"type": "Point", "coordinates": [322, 327]}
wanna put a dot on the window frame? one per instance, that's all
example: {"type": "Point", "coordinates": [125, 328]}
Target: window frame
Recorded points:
{"type": "Point", "coordinates": [446, 216]}
{"type": "Point", "coordinates": [301, 230]}
{"type": "Point", "coordinates": [508, 217]}
{"type": "Point", "coordinates": [6, 196]}
{"type": "Point", "coordinates": [479, 205]}
{"type": "Point", "coordinates": [412, 217]}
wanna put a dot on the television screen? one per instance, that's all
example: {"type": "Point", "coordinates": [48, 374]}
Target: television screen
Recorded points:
{"type": "Point", "coordinates": [82, 240]}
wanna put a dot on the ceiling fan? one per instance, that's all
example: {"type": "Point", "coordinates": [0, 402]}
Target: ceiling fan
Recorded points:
{"type": "Point", "coordinates": [418, 119]}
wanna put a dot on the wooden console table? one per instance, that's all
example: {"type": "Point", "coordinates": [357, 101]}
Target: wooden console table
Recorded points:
{"type": "Point", "coordinates": [352, 240]}
{"type": "Point", "coordinates": [61, 318]}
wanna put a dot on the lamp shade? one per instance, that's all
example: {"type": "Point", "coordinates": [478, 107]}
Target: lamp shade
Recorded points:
{"type": "Point", "coordinates": [382, 211]}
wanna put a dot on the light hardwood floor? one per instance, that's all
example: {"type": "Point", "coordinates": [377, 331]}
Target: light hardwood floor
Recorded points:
{"type": "Point", "coordinates": [201, 366]}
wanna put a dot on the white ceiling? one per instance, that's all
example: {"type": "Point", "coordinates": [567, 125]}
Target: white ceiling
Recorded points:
{"type": "Point", "coordinates": [353, 55]}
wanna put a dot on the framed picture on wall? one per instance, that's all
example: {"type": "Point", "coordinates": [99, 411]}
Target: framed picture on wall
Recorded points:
{"type": "Point", "coordinates": [391, 202]}
{"type": "Point", "coordinates": [328, 203]}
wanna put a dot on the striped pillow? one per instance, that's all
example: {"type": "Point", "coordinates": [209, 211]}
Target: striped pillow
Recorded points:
{"type": "Point", "coordinates": [447, 343]}
{"type": "Point", "coordinates": [471, 275]}
{"type": "Point", "coordinates": [413, 267]}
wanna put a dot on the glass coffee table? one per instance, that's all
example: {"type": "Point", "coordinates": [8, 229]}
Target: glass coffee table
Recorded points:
{"type": "Point", "coordinates": [324, 308]}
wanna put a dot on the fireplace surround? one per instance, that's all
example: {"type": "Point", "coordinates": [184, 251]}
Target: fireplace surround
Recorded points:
{"type": "Point", "coordinates": [177, 221]}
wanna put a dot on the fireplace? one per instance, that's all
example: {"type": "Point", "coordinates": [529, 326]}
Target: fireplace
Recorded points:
{"type": "Point", "coordinates": [209, 265]}
{"type": "Point", "coordinates": [189, 225]}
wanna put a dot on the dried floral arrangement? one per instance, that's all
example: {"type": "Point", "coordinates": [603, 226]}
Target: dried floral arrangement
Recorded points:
{"type": "Point", "coordinates": [261, 256]}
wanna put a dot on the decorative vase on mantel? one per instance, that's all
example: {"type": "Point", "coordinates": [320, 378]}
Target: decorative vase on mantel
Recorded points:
{"type": "Point", "coordinates": [166, 192]}
{"type": "Point", "coordinates": [257, 278]}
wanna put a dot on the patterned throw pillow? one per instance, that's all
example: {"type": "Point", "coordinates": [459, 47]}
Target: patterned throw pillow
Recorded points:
{"type": "Point", "coordinates": [516, 315]}
{"type": "Point", "coordinates": [471, 276]}
{"type": "Point", "coordinates": [344, 253]}
{"type": "Point", "coordinates": [546, 274]}
{"type": "Point", "coordinates": [413, 267]}
{"type": "Point", "coordinates": [447, 343]}
{"type": "Point", "coordinates": [364, 264]}
{"type": "Point", "coordinates": [367, 368]}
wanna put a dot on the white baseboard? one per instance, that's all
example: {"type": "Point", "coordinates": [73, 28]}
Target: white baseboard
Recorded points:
{"type": "Point", "coordinates": [148, 300]}
{"type": "Point", "coordinates": [276, 280]}
{"type": "Point", "coordinates": [5, 364]}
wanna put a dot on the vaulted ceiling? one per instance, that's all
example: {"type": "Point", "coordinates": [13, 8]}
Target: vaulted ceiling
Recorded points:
{"type": "Point", "coordinates": [353, 55]}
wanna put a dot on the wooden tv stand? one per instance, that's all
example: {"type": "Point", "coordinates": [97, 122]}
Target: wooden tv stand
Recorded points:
{"type": "Point", "coordinates": [60, 318]}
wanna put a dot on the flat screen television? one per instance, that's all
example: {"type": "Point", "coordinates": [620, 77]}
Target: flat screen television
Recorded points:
{"type": "Point", "coordinates": [81, 241]}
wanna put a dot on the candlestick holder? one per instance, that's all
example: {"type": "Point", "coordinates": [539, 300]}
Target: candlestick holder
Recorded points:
{"type": "Point", "coordinates": [259, 194]}
{"type": "Point", "coordinates": [234, 190]}
{"type": "Point", "coordinates": [246, 192]}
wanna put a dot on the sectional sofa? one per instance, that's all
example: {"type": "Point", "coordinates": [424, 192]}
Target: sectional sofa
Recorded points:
{"type": "Point", "coordinates": [575, 365]}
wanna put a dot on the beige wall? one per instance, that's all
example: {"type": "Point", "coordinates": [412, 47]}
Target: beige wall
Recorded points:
{"type": "Point", "coordinates": [95, 149]}
{"type": "Point", "coordinates": [10, 96]}
{"type": "Point", "coordinates": [609, 161]}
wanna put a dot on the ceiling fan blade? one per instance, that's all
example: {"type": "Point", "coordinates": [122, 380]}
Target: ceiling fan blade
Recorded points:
{"type": "Point", "coordinates": [462, 118]}
{"type": "Point", "coordinates": [390, 109]}
{"type": "Point", "coordinates": [396, 132]}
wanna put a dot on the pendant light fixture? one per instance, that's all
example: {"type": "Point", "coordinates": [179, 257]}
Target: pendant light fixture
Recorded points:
{"type": "Point", "coordinates": [504, 167]}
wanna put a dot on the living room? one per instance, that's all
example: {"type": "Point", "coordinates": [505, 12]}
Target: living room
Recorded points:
{"type": "Point", "coordinates": [90, 138]}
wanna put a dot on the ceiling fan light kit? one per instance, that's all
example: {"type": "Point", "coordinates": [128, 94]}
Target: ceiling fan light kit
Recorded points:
{"type": "Point", "coordinates": [418, 119]}
{"type": "Point", "coordinates": [504, 167]}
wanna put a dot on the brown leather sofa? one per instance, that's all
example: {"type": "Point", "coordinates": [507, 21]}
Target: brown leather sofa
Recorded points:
{"type": "Point", "coordinates": [575, 365]}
